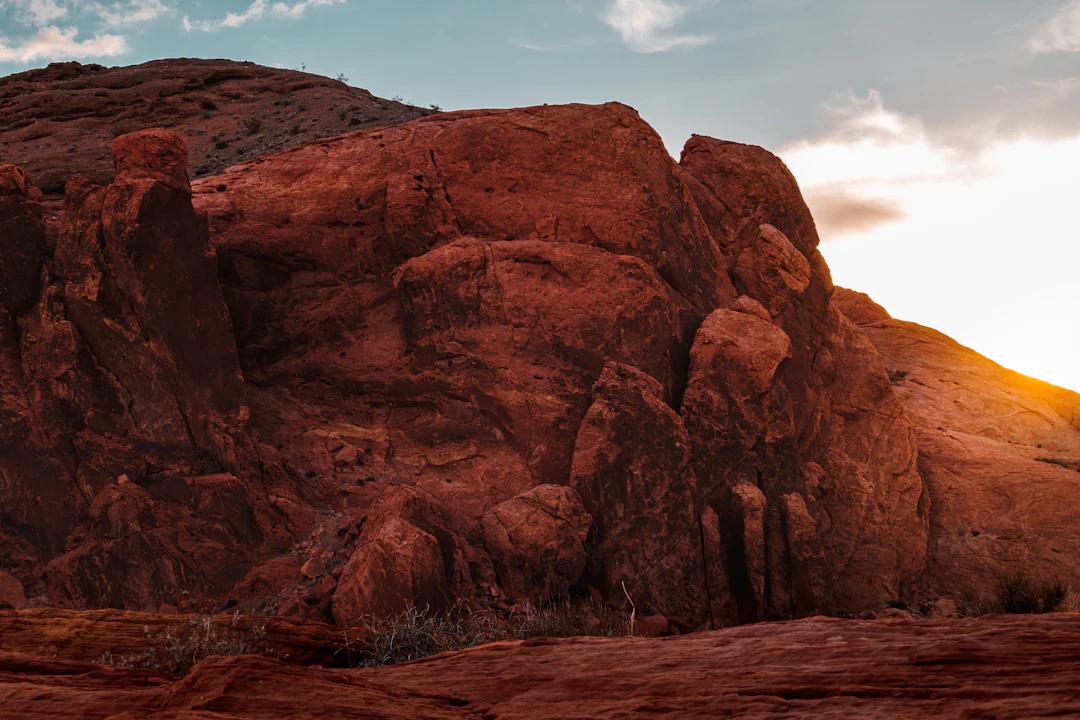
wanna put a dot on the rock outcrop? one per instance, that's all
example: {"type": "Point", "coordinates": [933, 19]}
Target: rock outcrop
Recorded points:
{"type": "Point", "coordinates": [439, 291]}
{"type": "Point", "coordinates": [125, 409]}
{"type": "Point", "coordinates": [489, 357]}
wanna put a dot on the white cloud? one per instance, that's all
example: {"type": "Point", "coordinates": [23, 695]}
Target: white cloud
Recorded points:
{"type": "Point", "coordinates": [132, 12]}
{"type": "Point", "coordinates": [981, 243]}
{"type": "Point", "coordinates": [871, 145]}
{"type": "Point", "coordinates": [37, 12]}
{"type": "Point", "coordinates": [646, 25]}
{"type": "Point", "coordinates": [297, 9]}
{"type": "Point", "coordinates": [257, 10]}
{"type": "Point", "coordinates": [1061, 33]}
{"type": "Point", "coordinates": [53, 43]}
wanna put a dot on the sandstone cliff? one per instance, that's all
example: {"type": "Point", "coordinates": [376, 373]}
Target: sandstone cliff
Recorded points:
{"type": "Point", "coordinates": [493, 357]}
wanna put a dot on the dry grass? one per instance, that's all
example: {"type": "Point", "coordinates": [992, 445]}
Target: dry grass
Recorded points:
{"type": "Point", "coordinates": [418, 632]}
{"type": "Point", "coordinates": [177, 649]}
{"type": "Point", "coordinates": [411, 634]}
{"type": "Point", "coordinates": [1021, 594]}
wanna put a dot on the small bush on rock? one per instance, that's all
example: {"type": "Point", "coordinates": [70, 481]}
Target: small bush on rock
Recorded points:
{"type": "Point", "coordinates": [419, 632]}
{"type": "Point", "coordinates": [1018, 593]}
{"type": "Point", "coordinates": [177, 649]}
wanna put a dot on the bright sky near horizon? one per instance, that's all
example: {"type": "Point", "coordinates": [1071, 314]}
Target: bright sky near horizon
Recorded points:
{"type": "Point", "coordinates": [936, 141]}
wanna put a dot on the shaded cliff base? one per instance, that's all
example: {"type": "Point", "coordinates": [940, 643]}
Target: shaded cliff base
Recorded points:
{"type": "Point", "coordinates": [991, 667]}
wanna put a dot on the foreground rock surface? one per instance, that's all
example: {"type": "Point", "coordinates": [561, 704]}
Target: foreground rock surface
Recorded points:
{"type": "Point", "coordinates": [992, 667]}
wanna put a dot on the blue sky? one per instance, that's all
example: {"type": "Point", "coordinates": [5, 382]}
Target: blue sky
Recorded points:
{"type": "Point", "coordinates": [938, 143]}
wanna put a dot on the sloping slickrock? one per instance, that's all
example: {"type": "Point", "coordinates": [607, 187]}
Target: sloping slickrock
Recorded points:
{"type": "Point", "coordinates": [1002, 667]}
{"type": "Point", "coordinates": [218, 689]}
{"type": "Point", "coordinates": [1000, 453]}
{"type": "Point", "coordinates": [60, 120]}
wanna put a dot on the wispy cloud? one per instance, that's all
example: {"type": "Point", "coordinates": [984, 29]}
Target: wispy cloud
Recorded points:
{"type": "Point", "coordinates": [649, 26]}
{"type": "Point", "coordinates": [131, 12]}
{"type": "Point", "coordinates": [257, 10]}
{"type": "Point", "coordinates": [1060, 33]}
{"type": "Point", "coordinates": [53, 43]}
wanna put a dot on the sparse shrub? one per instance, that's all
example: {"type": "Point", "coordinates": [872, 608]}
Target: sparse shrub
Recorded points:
{"type": "Point", "coordinates": [178, 648]}
{"type": "Point", "coordinates": [1017, 593]}
{"type": "Point", "coordinates": [1052, 596]}
{"type": "Point", "coordinates": [253, 125]}
{"type": "Point", "coordinates": [435, 108]}
{"type": "Point", "coordinates": [342, 78]}
{"type": "Point", "coordinates": [419, 632]}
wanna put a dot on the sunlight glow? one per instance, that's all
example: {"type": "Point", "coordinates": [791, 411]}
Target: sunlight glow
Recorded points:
{"type": "Point", "coordinates": [983, 246]}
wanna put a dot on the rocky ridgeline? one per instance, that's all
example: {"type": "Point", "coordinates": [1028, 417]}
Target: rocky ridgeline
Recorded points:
{"type": "Point", "coordinates": [492, 357]}
{"type": "Point", "coordinates": [60, 120]}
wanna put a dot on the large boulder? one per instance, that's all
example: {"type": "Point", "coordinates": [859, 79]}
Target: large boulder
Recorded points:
{"type": "Point", "coordinates": [537, 542]}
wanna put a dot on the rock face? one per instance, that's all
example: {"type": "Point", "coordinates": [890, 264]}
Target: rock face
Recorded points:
{"type": "Point", "coordinates": [124, 405]}
{"type": "Point", "coordinates": [786, 396]}
{"type": "Point", "coordinates": [1000, 453]}
{"type": "Point", "coordinates": [993, 667]}
{"type": "Point", "coordinates": [60, 120]}
{"type": "Point", "coordinates": [439, 340]}
{"type": "Point", "coordinates": [487, 357]}
{"type": "Point", "coordinates": [458, 318]}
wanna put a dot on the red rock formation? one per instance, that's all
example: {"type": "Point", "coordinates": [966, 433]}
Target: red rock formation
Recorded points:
{"type": "Point", "coordinates": [434, 322]}
{"type": "Point", "coordinates": [493, 356]}
{"type": "Point", "coordinates": [1000, 453]}
{"type": "Point", "coordinates": [125, 407]}
{"type": "Point", "coordinates": [786, 396]}
{"type": "Point", "coordinates": [999, 666]}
